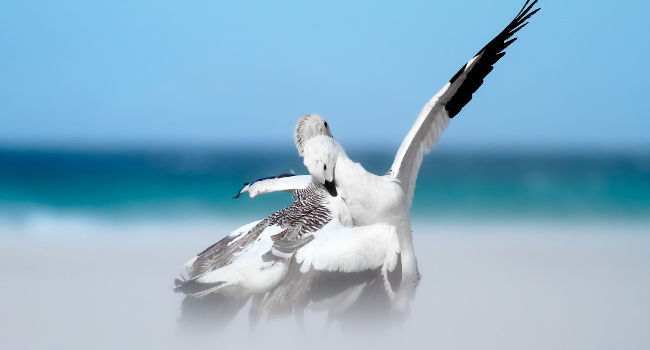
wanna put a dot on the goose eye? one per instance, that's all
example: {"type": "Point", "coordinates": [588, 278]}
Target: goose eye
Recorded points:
{"type": "Point", "coordinates": [324, 166]}
{"type": "Point", "coordinates": [325, 124]}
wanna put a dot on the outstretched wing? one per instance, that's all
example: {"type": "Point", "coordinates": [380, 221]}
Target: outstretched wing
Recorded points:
{"type": "Point", "coordinates": [283, 182]}
{"type": "Point", "coordinates": [435, 115]}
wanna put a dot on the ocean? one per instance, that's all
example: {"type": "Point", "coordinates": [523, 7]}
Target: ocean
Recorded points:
{"type": "Point", "coordinates": [179, 184]}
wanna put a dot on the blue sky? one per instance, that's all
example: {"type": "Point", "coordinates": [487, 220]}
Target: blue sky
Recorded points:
{"type": "Point", "coordinates": [235, 73]}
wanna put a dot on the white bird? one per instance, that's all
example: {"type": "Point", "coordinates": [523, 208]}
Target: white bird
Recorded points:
{"type": "Point", "coordinates": [314, 231]}
{"type": "Point", "coordinates": [331, 268]}
{"type": "Point", "coordinates": [387, 199]}
{"type": "Point", "coordinates": [306, 242]}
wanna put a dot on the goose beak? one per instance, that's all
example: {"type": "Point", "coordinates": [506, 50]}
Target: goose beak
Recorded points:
{"type": "Point", "coordinates": [331, 188]}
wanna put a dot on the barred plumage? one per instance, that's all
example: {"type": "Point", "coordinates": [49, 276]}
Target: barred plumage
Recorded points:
{"type": "Point", "coordinates": [308, 213]}
{"type": "Point", "coordinates": [307, 210]}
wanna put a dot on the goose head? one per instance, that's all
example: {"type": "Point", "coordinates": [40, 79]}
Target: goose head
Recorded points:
{"type": "Point", "coordinates": [320, 156]}
{"type": "Point", "coordinates": [308, 126]}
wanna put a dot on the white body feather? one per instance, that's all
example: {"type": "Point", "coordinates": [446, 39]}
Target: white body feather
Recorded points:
{"type": "Point", "coordinates": [248, 274]}
{"type": "Point", "coordinates": [373, 200]}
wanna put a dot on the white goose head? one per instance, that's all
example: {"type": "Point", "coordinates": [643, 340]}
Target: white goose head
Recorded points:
{"type": "Point", "coordinates": [320, 156]}
{"type": "Point", "coordinates": [308, 126]}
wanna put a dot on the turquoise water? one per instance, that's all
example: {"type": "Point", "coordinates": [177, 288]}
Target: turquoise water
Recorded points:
{"type": "Point", "coordinates": [171, 184]}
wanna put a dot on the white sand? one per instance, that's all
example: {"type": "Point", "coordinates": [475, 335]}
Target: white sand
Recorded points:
{"type": "Point", "coordinates": [68, 284]}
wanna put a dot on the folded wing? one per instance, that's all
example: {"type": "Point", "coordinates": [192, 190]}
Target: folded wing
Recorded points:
{"type": "Point", "coordinates": [334, 267]}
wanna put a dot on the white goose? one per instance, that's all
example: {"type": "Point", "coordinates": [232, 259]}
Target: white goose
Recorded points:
{"type": "Point", "coordinates": [253, 259]}
{"type": "Point", "coordinates": [331, 268]}
{"type": "Point", "coordinates": [229, 268]}
{"type": "Point", "coordinates": [387, 199]}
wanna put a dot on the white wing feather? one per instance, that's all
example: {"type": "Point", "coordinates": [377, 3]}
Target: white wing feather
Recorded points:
{"type": "Point", "coordinates": [351, 249]}
{"type": "Point", "coordinates": [287, 184]}
{"type": "Point", "coordinates": [434, 117]}
{"type": "Point", "coordinates": [423, 136]}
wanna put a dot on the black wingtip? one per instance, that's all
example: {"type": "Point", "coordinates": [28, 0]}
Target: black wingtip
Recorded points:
{"type": "Point", "coordinates": [485, 59]}
{"type": "Point", "coordinates": [262, 179]}
{"type": "Point", "coordinates": [240, 191]}
{"type": "Point", "coordinates": [460, 71]}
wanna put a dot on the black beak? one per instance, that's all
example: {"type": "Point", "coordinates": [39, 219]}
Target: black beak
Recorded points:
{"type": "Point", "coordinates": [331, 188]}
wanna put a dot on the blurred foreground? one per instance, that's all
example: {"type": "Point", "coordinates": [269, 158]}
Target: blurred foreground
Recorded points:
{"type": "Point", "coordinates": [490, 286]}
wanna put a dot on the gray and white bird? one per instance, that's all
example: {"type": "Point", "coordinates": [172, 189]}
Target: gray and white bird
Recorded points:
{"type": "Point", "coordinates": [315, 231]}
{"type": "Point", "coordinates": [387, 199]}
{"type": "Point", "coordinates": [350, 212]}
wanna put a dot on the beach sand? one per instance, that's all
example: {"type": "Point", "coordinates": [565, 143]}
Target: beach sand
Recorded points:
{"type": "Point", "coordinates": [70, 284]}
